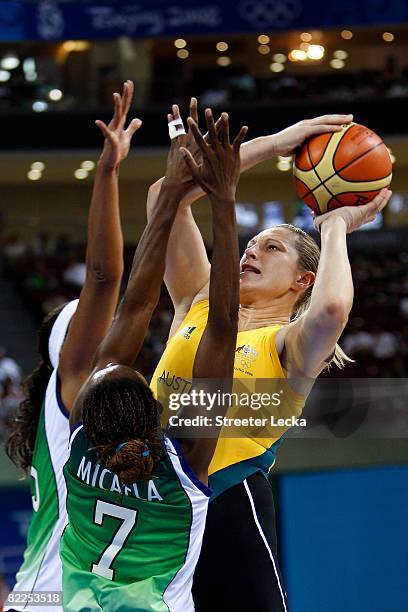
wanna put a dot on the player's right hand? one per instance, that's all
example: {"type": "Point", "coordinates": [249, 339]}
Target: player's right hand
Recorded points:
{"type": "Point", "coordinates": [285, 142]}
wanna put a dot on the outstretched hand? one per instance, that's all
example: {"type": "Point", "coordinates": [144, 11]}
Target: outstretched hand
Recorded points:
{"type": "Point", "coordinates": [356, 216]}
{"type": "Point", "coordinates": [286, 141]}
{"type": "Point", "coordinates": [177, 173]}
{"type": "Point", "coordinates": [218, 173]}
{"type": "Point", "coordinates": [117, 138]}
{"type": "Point", "coordinates": [188, 140]}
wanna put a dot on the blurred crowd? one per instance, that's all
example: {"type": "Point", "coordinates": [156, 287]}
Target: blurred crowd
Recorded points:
{"type": "Point", "coordinates": [169, 80]}
{"type": "Point", "coordinates": [48, 273]}
{"type": "Point", "coordinates": [235, 85]}
{"type": "Point", "coordinates": [377, 333]}
{"type": "Point", "coordinates": [10, 389]}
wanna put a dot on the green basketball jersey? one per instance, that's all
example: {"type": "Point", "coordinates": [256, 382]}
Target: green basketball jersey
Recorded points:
{"type": "Point", "coordinates": [41, 570]}
{"type": "Point", "coordinates": [131, 547]}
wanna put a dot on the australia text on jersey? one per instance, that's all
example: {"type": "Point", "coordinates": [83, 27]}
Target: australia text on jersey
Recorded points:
{"type": "Point", "coordinates": [177, 383]}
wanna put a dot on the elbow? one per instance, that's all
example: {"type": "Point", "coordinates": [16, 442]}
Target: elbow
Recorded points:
{"type": "Point", "coordinates": [104, 275]}
{"type": "Point", "coordinates": [335, 313]}
{"type": "Point", "coordinates": [156, 186]}
{"type": "Point", "coordinates": [153, 194]}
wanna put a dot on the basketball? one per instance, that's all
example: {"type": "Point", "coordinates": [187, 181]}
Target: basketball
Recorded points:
{"type": "Point", "coordinates": [344, 168]}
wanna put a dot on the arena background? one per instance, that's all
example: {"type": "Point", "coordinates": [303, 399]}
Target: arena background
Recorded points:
{"type": "Point", "coordinates": [342, 498]}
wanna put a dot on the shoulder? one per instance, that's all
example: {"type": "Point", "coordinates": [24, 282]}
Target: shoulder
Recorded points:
{"type": "Point", "coordinates": [59, 331]}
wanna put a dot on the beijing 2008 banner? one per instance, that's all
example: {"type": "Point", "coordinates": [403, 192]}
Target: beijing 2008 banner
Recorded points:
{"type": "Point", "coordinates": [104, 19]}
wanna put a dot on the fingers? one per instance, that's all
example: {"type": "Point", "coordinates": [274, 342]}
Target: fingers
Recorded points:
{"type": "Point", "coordinates": [194, 109]}
{"type": "Point", "coordinates": [313, 130]}
{"type": "Point", "coordinates": [189, 159]}
{"type": "Point", "coordinates": [134, 125]}
{"type": "Point", "coordinates": [176, 111]}
{"type": "Point", "coordinates": [331, 119]}
{"type": "Point", "coordinates": [126, 101]}
{"type": "Point", "coordinates": [117, 101]}
{"type": "Point", "coordinates": [176, 126]}
{"type": "Point", "coordinates": [123, 97]}
{"type": "Point", "coordinates": [379, 202]}
{"type": "Point", "coordinates": [198, 137]}
{"type": "Point", "coordinates": [239, 139]}
{"type": "Point", "coordinates": [223, 132]}
{"type": "Point", "coordinates": [122, 105]}
{"type": "Point", "coordinates": [386, 199]}
{"type": "Point", "coordinates": [218, 125]}
{"type": "Point", "coordinates": [212, 133]}
{"type": "Point", "coordinates": [128, 89]}
{"type": "Point", "coordinates": [105, 130]}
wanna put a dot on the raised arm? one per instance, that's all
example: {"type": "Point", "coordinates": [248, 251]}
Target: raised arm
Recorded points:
{"type": "Point", "coordinates": [186, 251]}
{"type": "Point", "coordinates": [104, 257]}
{"type": "Point", "coordinates": [311, 340]}
{"type": "Point", "coordinates": [218, 175]}
{"type": "Point", "coordinates": [124, 340]}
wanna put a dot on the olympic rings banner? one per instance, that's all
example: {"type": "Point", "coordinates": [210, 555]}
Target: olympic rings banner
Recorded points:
{"type": "Point", "coordinates": [104, 19]}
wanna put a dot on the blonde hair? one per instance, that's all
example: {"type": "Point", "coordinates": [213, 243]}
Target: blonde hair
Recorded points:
{"type": "Point", "coordinates": [308, 261]}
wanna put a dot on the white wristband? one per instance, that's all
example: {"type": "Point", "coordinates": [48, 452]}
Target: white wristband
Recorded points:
{"type": "Point", "coordinates": [176, 128]}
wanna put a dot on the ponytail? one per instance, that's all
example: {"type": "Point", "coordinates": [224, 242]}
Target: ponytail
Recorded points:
{"type": "Point", "coordinates": [24, 425]}
{"type": "Point", "coordinates": [21, 442]}
{"type": "Point", "coordinates": [133, 460]}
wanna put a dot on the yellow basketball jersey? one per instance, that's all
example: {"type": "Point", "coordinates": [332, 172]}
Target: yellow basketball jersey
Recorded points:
{"type": "Point", "coordinates": [256, 360]}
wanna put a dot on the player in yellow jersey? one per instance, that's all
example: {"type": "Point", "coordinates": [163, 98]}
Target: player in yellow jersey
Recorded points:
{"type": "Point", "coordinates": [295, 302]}
{"type": "Point", "coordinates": [135, 526]}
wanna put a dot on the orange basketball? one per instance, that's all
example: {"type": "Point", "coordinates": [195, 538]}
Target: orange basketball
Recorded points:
{"type": "Point", "coordinates": [344, 168]}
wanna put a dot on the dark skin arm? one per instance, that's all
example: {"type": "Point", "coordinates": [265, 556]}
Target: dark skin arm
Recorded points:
{"type": "Point", "coordinates": [124, 340]}
{"type": "Point", "coordinates": [218, 176]}
{"type": "Point", "coordinates": [104, 257]}
{"type": "Point", "coordinates": [122, 343]}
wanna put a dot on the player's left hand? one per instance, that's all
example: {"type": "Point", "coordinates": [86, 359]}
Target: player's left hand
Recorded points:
{"type": "Point", "coordinates": [356, 216]}
{"type": "Point", "coordinates": [117, 138]}
{"type": "Point", "coordinates": [219, 172]}
{"type": "Point", "coordinates": [285, 142]}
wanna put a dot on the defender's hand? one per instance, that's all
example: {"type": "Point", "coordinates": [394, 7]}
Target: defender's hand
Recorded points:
{"type": "Point", "coordinates": [218, 174]}
{"type": "Point", "coordinates": [117, 139]}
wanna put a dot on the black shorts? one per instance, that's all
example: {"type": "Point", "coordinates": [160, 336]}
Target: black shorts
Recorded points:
{"type": "Point", "coordinates": [238, 569]}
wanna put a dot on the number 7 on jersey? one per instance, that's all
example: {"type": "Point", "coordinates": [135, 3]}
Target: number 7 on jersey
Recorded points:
{"type": "Point", "coordinates": [128, 516]}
